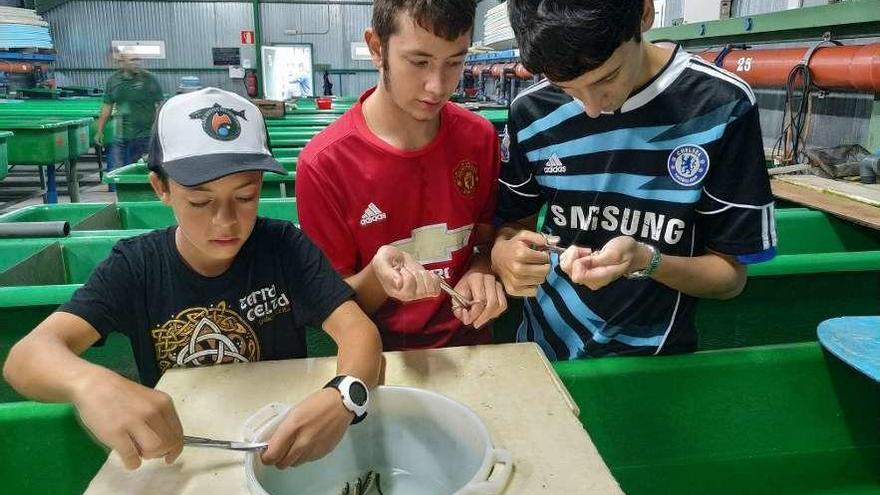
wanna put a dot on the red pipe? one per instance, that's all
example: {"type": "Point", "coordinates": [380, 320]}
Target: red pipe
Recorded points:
{"type": "Point", "coordinates": [853, 67]}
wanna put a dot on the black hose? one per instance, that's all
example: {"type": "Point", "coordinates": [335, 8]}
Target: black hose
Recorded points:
{"type": "Point", "coordinates": [34, 229]}
{"type": "Point", "coordinates": [795, 114]}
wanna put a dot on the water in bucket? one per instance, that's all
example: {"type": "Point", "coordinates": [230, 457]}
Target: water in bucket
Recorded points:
{"type": "Point", "coordinates": [393, 481]}
{"type": "Point", "coordinates": [419, 443]}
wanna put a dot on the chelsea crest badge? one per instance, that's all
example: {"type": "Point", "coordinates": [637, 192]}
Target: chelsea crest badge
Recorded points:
{"type": "Point", "coordinates": [688, 164]}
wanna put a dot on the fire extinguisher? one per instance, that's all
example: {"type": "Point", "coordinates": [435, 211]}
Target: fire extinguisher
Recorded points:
{"type": "Point", "coordinates": [250, 82]}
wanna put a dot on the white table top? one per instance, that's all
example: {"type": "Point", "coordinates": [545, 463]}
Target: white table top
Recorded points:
{"type": "Point", "coordinates": [511, 387]}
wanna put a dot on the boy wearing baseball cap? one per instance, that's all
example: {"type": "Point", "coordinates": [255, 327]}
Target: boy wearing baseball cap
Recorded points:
{"type": "Point", "coordinates": [221, 286]}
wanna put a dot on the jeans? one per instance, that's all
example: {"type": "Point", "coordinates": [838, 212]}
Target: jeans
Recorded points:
{"type": "Point", "coordinates": [126, 151]}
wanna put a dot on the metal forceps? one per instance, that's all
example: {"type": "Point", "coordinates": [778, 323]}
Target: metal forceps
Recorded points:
{"type": "Point", "coordinates": [552, 244]}
{"type": "Point", "coordinates": [224, 444]}
{"type": "Point", "coordinates": [460, 299]}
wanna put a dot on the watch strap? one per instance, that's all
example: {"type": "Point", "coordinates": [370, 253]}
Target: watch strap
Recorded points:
{"type": "Point", "coordinates": [335, 382]}
{"type": "Point", "coordinates": [652, 266]}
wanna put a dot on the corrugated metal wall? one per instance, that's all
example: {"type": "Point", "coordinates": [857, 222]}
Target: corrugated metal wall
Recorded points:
{"type": "Point", "coordinates": [837, 118]}
{"type": "Point", "coordinates": [83, 30]}
{"type": "Point", "coordinates": [483, 6]}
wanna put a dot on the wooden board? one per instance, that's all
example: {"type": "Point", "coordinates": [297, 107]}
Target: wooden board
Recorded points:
{"type": "Point", "coordinates": [830, 202]}
{"type": "Point", "coordinates": [511, 387]}
{"type": "Point", "coordinates": [856, 191]}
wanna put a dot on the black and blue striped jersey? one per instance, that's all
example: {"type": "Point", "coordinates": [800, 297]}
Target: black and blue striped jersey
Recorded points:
{"type": "Point", "coordinates": [680, 167]}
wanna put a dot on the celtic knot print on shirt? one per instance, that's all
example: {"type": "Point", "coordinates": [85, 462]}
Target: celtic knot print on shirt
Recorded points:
{"type": "Point", "coordinates": [205, 336]}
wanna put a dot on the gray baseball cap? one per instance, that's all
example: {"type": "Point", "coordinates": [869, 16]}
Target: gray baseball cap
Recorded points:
{"type": "Point", "coordinates": [208, 134]}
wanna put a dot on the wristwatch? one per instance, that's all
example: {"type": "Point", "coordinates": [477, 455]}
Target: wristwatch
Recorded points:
{"type": "Point", "coordinates": [649, 270]}
{"type": "Point", "coordinates": [355, 395]}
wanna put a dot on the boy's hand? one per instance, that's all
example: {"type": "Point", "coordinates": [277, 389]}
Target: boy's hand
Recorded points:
{"type": "Point", "coordinates": [402, 277]}
{"type": "Point", "coordinates": [135, 421]}
{"type": "Point", "coordinates": [595, 270]}
{"type": "Point", "coordinates": [487, 295]}
{"type": "Point", "coordinates": [310, 431]}
{"type": "Point", "coordinates": [521, 268]}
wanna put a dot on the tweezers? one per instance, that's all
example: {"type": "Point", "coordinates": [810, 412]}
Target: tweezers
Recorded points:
{"type": "Point", "coordinates": [460, 299]}
{"type": "Point", "coordinates": [223, 444]}
{"type": "Point", "coordinates": [552, 244]}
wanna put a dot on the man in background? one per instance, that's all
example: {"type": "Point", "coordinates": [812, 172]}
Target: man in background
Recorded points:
{"type": "Point", "coordinates": [133, 95]}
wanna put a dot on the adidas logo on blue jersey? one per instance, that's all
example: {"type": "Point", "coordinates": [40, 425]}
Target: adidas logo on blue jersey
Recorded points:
{"type": "Point", "coordinates": [554, 165]}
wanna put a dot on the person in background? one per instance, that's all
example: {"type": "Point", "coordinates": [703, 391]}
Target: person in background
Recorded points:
{"type": "Point", "coordinates": [299, 81]}
{"type": "Point", "coordinates": [132, 95]}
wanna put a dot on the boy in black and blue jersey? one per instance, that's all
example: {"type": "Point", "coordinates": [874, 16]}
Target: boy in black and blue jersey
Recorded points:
{"type": "Point", "coordinates": [651, 164]}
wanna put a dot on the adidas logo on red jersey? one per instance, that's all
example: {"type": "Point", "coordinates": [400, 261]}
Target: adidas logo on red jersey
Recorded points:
{"type": "Point", "coordinates": [372, 214]}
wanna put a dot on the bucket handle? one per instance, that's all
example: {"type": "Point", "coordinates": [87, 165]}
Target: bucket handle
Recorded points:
{"type": "Point", "coordinates": [266, 417]}
{"type": "Point", "coordinates": [498, 478]}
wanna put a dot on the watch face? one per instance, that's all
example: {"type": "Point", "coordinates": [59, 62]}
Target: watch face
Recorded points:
{"type": "Point", "coordinates": [357, 393]}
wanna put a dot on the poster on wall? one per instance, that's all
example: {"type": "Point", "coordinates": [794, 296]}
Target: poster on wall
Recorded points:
{"type": "Point", "coordinates": [287, 72]}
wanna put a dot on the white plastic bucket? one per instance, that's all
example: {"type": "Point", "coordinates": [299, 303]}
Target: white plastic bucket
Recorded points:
{"type": "Point", "coordinates": [420, 442]}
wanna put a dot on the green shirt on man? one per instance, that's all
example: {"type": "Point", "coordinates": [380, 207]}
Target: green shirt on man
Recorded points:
{"type": "Point", "coordinates": [135, 95]}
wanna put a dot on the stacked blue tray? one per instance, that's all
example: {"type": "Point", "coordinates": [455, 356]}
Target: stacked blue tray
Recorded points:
{"type": "Point", "coordinates": [24, 36]}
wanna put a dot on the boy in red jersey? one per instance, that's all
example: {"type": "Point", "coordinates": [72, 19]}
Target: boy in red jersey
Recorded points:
{"type": "Point", "coordinates": [400, 192]}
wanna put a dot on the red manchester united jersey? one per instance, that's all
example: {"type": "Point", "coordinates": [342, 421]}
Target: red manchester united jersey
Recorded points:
{"type": "Point", "coordinates": [356, 193]}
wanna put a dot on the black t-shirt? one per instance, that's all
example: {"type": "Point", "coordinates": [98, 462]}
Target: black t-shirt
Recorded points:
{"type": "Point", "coordinates": [255, 311]}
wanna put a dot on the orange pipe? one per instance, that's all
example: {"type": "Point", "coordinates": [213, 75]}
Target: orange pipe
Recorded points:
{"type": "Point", "coordinates": [16, 67]}
{"type": "Point", "coordinates": [497, 70]}
{"type": "Point", "coordinates": [853, 67]}
{"type": "Point", "coordinates": [521, 72]}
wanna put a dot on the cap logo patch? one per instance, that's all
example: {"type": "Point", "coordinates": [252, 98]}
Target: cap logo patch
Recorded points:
{"type": "Point", "coordinates": [219, 122]}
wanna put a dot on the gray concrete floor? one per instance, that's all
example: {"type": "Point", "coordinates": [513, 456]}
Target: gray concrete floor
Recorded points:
{"type": "Point", "coordinates": [21, 187]}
